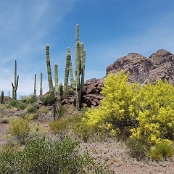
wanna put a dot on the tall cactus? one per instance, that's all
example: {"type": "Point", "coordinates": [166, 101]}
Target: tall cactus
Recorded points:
{"type": "Point", "coordinates": [78, 83]}
{"type": "Point", "coordinates": [50, 82]}
{"type": "Point", "coordinates": [80, 69]}
{"type": "Point", "coordinates": [57, 104]}
{"type": "Point", "coordinates": [35, 84]}
{"type": "Point", "coordinates": [56, 80]}
{"type": "Point", "coordinates": [41, 89]}
{"type": "Point", "coordinates": [68, 71]}
{"type": "Point", "coordinates": [15, 84]}
{"type": "Point", "coordinates": [2, 97]}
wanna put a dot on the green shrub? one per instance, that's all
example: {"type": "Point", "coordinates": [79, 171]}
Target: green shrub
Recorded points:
{"type": "Point", "coordinates": [41, 156]}
{"type": "Point", "coordinates": [60, 126]}
{"type": "Point", "coordinates": [29, 99]}
{"type": "Point", "coordinates": [161, 150]}
{"type": "Point", "coordinates": [74, 123]}
{"type": "Point", "coordinates": [22, 106]}
{"type": "Point", "coordinates": [48, 100]}
{"type": "Point", "coordinates": [43, 109]}
{"type": "Point", "coordinates": [14, 103]}
{"type": "Point", "coordinates": [82, 130]}
{"type": "Point", "coordinates": [31, 116]}
{"type": "Point", "coordinates": [139, 148]}
{"type": "Point", "coordinates": [19, 129]}
{"type": "Point", "coordinates": [31, 110]}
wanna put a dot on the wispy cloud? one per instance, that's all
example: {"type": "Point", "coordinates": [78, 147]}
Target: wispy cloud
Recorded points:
{"type": "Point", "coordinates": [26, 26]}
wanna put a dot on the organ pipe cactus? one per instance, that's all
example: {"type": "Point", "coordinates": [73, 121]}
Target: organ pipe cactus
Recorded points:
{"type": "Point", "coordinates": [50, 82]}
{"type": "Point", "coordinates": [15, 84]}
{"type": "Point", "coordinates": [41, 89]}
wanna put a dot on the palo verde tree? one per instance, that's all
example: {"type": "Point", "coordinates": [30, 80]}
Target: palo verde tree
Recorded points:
{"type": "Point", "coordinates": [155, 104]}
{"type": "Point", "coordinates": [117, 109]}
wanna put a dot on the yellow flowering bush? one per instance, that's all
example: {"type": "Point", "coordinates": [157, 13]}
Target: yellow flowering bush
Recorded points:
{"type": "Point", "coordinates": [147, 110]}
{"type": "Point", "coordinates": [156, 113]}
{"type": "Point", "coordinates": [118, 109]}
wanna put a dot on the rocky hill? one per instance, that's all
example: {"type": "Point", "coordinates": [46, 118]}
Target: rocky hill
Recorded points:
{"type": "Point", "coordinates": [159, 65]}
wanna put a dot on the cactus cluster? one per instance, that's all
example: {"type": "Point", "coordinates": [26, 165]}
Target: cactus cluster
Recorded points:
{"type": "Point", "coordinates": [15, 84]}
{"type": "Point", "coordinates": [78, 83]}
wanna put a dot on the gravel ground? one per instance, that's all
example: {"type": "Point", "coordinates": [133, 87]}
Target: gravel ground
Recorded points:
{"type": "Point", "coordinates": [115, 155]}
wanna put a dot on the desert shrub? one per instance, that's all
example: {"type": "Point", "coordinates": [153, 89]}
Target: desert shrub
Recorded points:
{"type": "Point", "coordinates": [139, 148]}
{"type": "Point", "coordinates": [82, 130]}
{"type": "Point", "coordinates": [14, 103]}
{"type": "Point", "coordinates": [43, 156]}
{"type": "Point", "coordinates": [29, 99]}
{"type": "Point", "coordinates": [73, 124]}
{"type": "Point", "coordinates": [43, 109]}
{"type": "Point", "coordinates": [19, 129]}
{"type": "Point", "coordinates": [60, 127]}
{"type": "Point", "coordinates": [37, 130]}
{"type": "Point", "coordinates": [32, 110]}
{"type": "Point", "coordinates": [22, 106]}
{"type": "Point", "coordinates": [50, 99]}
{"type": "Point", "coordinates": [31, 116]}
{"type": "Point", "coordinates": [161, 150]}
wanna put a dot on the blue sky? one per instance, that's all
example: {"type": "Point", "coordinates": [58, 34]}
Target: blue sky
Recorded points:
{"type": "Point", "coordinates": [109, 29]}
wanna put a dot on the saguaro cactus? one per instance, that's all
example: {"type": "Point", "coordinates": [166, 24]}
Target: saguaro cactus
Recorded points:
{"type": "Point", "coordinates": [80, 68]}
{"type": "Point", "coordinates": [41, 89]}
{"type": "Point", "coordinates": [2, 97]}
{"type": "Point", "coordinates": [50, 82]}
{"type": "Point", "coordinates": [57, 104]}
{"type": "Point", "coordinates": [15, 84]}
{"type": "Point", "coordinates": [78, 83]}
{"type": "Point", "coordinates": [35, 84]}
{"type": "Point", "coordinates": [56, 79]}
{"type": "Point", "coordinates": [68, 71]}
